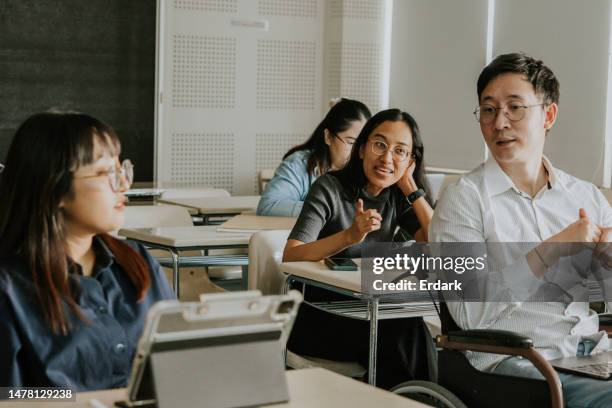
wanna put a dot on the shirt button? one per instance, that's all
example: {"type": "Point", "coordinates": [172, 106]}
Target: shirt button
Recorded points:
{"type": "Point", "coordinates": [119, 348]}
{"type": "Point", "coordinates": [573, 331]}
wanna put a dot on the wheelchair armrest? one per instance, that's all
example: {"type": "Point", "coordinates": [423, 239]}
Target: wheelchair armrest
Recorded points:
{"type": "Point", "coordinates": [506, 343]}
{"type": "Point", "coordinates": [500, 338]}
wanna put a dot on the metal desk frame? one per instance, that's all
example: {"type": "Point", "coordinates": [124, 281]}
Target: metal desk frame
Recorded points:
{"type": "Point", "coordinates": [176, 261]}
{"type": "Point", "coordinates": [377, 307]}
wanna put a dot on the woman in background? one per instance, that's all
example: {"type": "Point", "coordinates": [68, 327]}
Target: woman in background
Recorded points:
{"type": "Point", "coordinates": [73, 299]}
{"type": "Point", "coordinates": [328, 148]}
{"type": "Point", "coordinates": [382, 187]}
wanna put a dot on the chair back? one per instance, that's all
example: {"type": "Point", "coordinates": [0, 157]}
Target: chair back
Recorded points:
{"type": "Point", "coordinates": [265, 256]}
{"type": "Point", "coordinates": [263, 178]}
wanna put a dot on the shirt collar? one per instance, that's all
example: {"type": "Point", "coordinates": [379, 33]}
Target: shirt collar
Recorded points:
{"type": "Point", "coordinates": [553, 179]}
{"type": "Point", "coordinates": [497, 181]}
{"type": "Point", "coordinates": [104, 256]}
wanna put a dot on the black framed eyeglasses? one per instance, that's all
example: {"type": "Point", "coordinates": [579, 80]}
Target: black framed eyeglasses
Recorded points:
{"type": "Point", "coordinates": [399, 153]}
{"type": "Point", "coordinates": [126, 170]}
{"type": "Point", "coordinates": [486, 114]}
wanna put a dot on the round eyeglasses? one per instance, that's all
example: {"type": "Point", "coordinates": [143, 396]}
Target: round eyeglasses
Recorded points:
{"type": "Point", "coordinates": [486, 114]}
{"type": "Point", "coordinates": [399, 153]}
{"type": "Point", "coordinates": [126, 170]}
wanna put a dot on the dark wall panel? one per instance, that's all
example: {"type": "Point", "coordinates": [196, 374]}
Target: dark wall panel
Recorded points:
{"type": "Point", "coordinates": [94, 56]}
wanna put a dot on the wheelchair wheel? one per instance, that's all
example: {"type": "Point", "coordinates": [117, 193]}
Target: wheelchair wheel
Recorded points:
{"type": "Point", "coordinates": [428, 393]}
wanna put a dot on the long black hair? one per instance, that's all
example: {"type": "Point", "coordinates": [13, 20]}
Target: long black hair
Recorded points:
{"type": "Point", "coordinates": [44, 154]}
{"type": "Point", "coordinates": [338, 119]}
{"type": "Point", "coordinates": [352, 175]}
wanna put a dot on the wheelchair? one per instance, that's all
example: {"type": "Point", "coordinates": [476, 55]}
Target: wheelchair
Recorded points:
{"type": "Point", "coordinates": [457, 384]}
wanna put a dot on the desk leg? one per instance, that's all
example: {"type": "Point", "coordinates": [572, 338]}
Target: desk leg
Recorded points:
{"type": "Point", "coordinates": [175, 271]}
{"type": "Point", "coordinates": [373, 314]}
{"type": "Point", "coordinates": [245, 277]}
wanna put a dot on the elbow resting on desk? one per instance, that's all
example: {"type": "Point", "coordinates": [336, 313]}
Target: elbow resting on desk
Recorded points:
{"type": "Point", "coordinates": [296, 250]}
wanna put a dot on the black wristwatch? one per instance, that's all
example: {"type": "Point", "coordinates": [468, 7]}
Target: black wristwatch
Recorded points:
{"type": "Point", "coordinates": [415, 195]}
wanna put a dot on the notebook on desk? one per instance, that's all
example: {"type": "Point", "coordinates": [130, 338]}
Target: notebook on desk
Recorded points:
{"type": "Point", "coordinates": [254, 223]}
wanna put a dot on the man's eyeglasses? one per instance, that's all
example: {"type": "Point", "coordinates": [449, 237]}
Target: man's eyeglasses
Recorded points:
{"type": "Point", "coordinates": [399, 153]}
{"type": "Point", "coordinates": [349, 140]}
{"type": "Point", "coordinates": [486, 114]}
{"type": "Point", "coordinates": [114, 175]}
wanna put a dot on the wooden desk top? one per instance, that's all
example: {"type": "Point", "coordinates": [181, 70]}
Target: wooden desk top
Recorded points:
{"type": "Point", "coordinates": [217, 205]}
{"type": "Point", "coordinates": [313, 387]}
{"type": "Point", "coordinates": [317, 271]}
{"type": "Point", "coordinates": [252, 223]}
{"type": "Point", "coordinates": [192, 236]}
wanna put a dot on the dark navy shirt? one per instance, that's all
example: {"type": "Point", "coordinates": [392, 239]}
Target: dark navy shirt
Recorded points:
{"type": "Point", "coordinates": [94, 355]}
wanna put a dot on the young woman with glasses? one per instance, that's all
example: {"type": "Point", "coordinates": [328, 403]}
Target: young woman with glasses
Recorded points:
{"type": "Point", "coordinates": [382, 187]}
{"type": "Point", "coordinates": [328, 148]}
{"type": "Point", "coordinates": [73, 299]}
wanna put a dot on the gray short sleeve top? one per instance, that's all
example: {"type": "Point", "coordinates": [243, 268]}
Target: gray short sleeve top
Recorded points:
{"type": "Point", "coordinates": [329, 209]}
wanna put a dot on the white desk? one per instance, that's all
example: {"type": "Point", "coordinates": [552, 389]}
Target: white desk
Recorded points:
{"type": "Point", "coordinates": [349, 283]}
{"type": "Point", "coordinates": [308, 388]}
{"type": "Point", "coordinates": [253, 223]}
{"type": "Point", "coordinates": [217, 206]}
{"type": "Point", "coordinates": [176, 239]}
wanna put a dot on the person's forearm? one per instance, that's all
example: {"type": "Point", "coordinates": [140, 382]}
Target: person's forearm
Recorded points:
{"type": "Point", "coordinates": [317, 250]}
{"type": "Point", "coordinates": [421, 207]}
{"type": "Point", "coordinates": [542, 257]}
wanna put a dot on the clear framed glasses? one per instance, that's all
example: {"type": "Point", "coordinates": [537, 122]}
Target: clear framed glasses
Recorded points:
{"type": "Point", "coordinates": [399, 153]}
{"type": "Point", "coordinates": [114, 175]}
{"type": "Point", "coordinates": [486, 114]}
{"type": "Point", "coordinates": [349, 141]}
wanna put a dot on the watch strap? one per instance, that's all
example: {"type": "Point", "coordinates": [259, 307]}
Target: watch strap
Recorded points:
{"type": "Point", "coordinates": [415, 195]}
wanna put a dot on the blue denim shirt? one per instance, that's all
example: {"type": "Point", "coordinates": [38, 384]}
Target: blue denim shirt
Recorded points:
{"type": "Point", "coordinates": [286, 192]}
{"type": "Point", "coordinates": [94, 355]}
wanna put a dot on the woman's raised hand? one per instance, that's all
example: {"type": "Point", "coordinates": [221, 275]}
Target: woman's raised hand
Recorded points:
{"type": "Point", "coordinates": [364, 223]}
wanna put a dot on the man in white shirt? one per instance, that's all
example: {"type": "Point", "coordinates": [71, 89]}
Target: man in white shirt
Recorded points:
{"type": "Point", "coordinates": [518, 196]}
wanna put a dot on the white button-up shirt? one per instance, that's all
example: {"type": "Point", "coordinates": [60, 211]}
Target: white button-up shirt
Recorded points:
{"type": "Point", "coordinates": [485, 206]}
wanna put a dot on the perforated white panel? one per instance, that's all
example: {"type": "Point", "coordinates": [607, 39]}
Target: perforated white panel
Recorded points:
{"type": "Point", "coordinates": [203, 72]}
{"type": "Point", "coordinates": [286, 74]}
{"type": "Point", "coordinates": [355, 71]}
{"type": "Point", "coordinates": [203, 159]}
{"type": "Point", "coordinates": [292, 8]}
{"type": "Point", "coordinates": [220, 6]}
{"type": "Point", "coordinates": [363, 9]}
{"type": "Point", "coordinates": [270, 148]}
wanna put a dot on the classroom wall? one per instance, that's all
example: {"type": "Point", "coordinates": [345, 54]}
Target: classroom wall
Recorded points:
{"type": "Point", "coordinates": [242, 81]}
{"type": "Point", "coordinates": [99, 57]}
{"type": "Point", "coordinates": [573, 39]}
{"type": "Point", "coordinates": [440, 47]}
{"type": "Point", "coordinates": [95, 56]}
{"type": "Point", "coordinates": [437, 50]}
